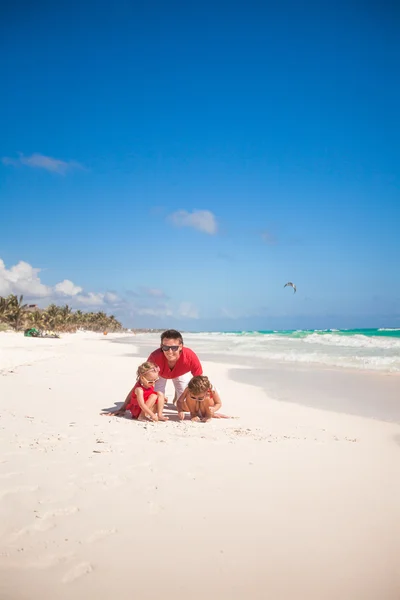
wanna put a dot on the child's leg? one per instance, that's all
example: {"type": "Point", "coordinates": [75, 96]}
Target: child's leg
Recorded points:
{"type": "Point", "coordinates": [151, 401]}
{"type": "Point", "coordinates": [160, 407]}
{"type": "Point", "coordinates": [215, 406]}
{"type": "Point", "coordinates": [221, 416]}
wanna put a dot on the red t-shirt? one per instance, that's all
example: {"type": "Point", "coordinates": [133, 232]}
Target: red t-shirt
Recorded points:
{"type": "Point", "coordinates": [187, 362]}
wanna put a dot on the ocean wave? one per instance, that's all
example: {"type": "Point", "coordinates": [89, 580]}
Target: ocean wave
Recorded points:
{"type": "Point", "coordinates": [374, 363]}
{"type": "Point", "coordinates": [354, 341]}
{"type": "Point", "coordinates": [381, 338]}
{"type": "Point", "coordinates": [329, 348]}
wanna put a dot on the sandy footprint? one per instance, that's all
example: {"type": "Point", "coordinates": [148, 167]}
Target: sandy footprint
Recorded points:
{"type": "Point", "coordinates": [76, 572]}
{"type": "Point", "coordinates": [52, 560]}
{"type": "Point", "coordinates": [61, 512]}
{"type": "Point", "coordinates": [154, 508]}
{"type": "Point", "coordinates": [12, 474]}
{"type": "Point", "coordinates": [46, 521]}
{"type": "Point", "coordinates": [100, 535]}
{"type": "Point", "coordinates": [18, 490]}
{"type": "Point", "coordinates": [107, 480]}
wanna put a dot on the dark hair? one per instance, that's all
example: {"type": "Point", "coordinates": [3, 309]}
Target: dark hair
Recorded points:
{"type": "Point", "coordinates": [171, 334]}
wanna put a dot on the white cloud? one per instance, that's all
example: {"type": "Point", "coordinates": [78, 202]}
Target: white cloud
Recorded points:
{"type": "Point", "coordinates": [111, 298]}
{"type": "Point", "coordinates": [97, 299]}
{"type": "Point", "coordinates": [226, 312]}
{"type": "Point", "coordinates": [160, 311]}
{"type": "Point", "coordinates": [188, 310]}
{"type": "Point", "coordinates": [90, 299]}
{"type": "Point", "coordinates": [22, 278]}
{"type": "Point", "coordinates": [203, 220]}
{"type": "Point", "coordinates": [184, 310]}
{"type": "Point", "coordinates": [67, 288]}
{"type": "Point", "coordinates": [154, 292]}
{"type": "Point", "coordinates": [39, 161]}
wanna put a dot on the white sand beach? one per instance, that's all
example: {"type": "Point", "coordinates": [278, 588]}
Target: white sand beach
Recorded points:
{"type": "Point", "coordinates": [291, 500]}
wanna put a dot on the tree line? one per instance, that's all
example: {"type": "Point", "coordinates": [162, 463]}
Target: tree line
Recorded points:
{"type": "Point", "coordinates": [19, 316]}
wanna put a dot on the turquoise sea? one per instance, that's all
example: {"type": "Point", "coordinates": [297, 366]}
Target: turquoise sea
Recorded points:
{"type": "Point", "coordinates": [300, 333]}
{"type": "Point", "coordinates": [370, 349]}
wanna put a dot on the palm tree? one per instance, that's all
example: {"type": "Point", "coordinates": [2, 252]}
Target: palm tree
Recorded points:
{"type": "Point", "coordinates": [36, 319]}
{"type": "Point", "coordinates": [5, 309]}
{"type": "Point", "coordinates": [14, 312]}
{"type": "Point", "coordinates": [78, 318]}
{"type": "Point", "coordinates": [65, 317]}
{"type": "Point", "coordinates": [51, 316]}
{"type": "Point", "coordinates": [17, 311]}
{"type": "Point", "coordinates": [113, 324]}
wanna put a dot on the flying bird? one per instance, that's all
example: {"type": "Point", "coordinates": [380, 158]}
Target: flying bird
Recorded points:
{"type": "Point", "coordinates": [291, 285]}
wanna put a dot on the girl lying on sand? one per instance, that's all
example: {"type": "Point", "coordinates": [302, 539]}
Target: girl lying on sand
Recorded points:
{"type": "Point", "coordinates": [143, 398]}
{"type": "Point", "coordinates": [201, 399]}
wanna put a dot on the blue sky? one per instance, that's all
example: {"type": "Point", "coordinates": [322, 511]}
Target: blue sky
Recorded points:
{"type": "Point", "coordinates": [175, 165]}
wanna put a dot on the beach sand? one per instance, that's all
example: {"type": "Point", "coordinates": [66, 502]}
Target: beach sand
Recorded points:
{"type": "Point", "coordinates": [291, 500]}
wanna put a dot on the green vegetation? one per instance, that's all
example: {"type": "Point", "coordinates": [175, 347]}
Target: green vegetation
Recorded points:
{"type": "Point", "coordinates": [19, 316]}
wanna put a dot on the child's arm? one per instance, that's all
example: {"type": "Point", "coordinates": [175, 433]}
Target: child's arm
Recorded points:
{"type": "Point", "coordinates": [127, 400]}
{"type": "Point", "coordinates": [217, 401]}
{"type": "Point", "coordinates": [143, 405]}
{"type": "Point", "coordinates": [180, 405]}
{"type": "Point", "coordinates": [116, 412]}
{"type": "Point", "coordinates": [125, 404]}
{"type": "Point", "coordinates": [217, 406]}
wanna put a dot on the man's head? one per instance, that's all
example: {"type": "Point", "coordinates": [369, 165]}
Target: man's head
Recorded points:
{"type": "Point", "coordinates": [171, 343]}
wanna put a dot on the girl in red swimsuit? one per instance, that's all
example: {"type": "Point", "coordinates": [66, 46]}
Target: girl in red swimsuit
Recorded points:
{"type": "Point", "coordinates": [143, 399]}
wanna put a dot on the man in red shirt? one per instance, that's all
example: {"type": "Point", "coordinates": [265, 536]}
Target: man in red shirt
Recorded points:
{"type": "Point", "coordinates": [175, 361]}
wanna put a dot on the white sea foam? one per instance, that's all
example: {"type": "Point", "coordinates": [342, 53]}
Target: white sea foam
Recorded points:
{"type": "Point", "coordinates": [353, 341]}
{"type": "Point", "coordinates": [379, 353]}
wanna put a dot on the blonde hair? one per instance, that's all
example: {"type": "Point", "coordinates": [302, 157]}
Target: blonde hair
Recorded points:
{"type": "Point", "coordinates": [199, 384]}
{"type": "Point", "coordinates": [144, 368]}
